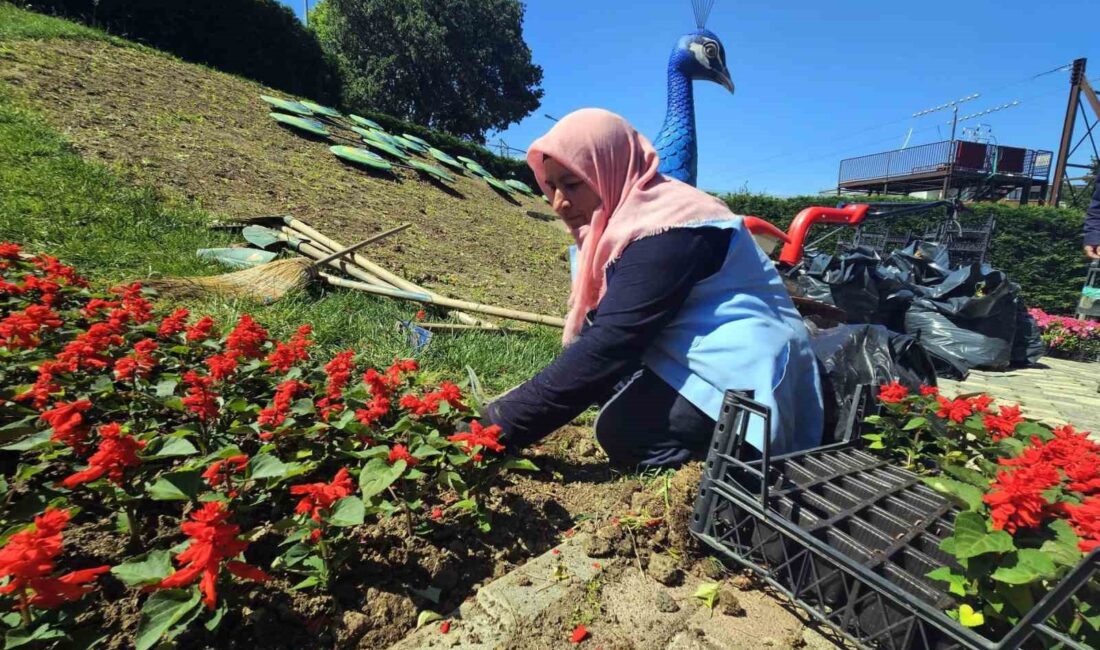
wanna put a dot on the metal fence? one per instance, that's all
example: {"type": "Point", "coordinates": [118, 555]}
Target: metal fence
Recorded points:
{"type": "Point", "coordinates": [941, 158]}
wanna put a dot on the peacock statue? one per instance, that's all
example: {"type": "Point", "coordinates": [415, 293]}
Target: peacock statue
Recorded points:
{"type": "Point", "coordinates": [697, 55]}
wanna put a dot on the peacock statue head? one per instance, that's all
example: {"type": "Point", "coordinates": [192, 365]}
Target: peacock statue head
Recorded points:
{"type": "Point", "coordinates": [698, 55]}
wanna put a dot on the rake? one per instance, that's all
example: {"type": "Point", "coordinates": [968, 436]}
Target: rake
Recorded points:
{"type": "Point", "coordinates": [265, 283]}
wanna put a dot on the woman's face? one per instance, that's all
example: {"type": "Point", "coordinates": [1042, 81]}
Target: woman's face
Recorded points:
{"type": "Point", "coordinates": [572, 199]}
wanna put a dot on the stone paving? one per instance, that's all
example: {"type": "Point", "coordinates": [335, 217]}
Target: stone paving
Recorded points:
{"type": "Point", "coordinates": [1054, 391]}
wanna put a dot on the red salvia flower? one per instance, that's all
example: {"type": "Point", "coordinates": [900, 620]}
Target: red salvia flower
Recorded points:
{"type": "Point", "coordinates": [27, 561]}
{"type": "Point", "coordinates": [200, 399]}
{"type": "Point", "coordinates": [981, 403]}
{"type": "Point", "coordinates": [377, 408]}
{"type": "Point", "coordinates": [401, 452]}
{"type": "Point", "coordinates": [58, 272]}
{"type": "Point", "coordinates": [479, 436]}
{"type": "Point", "coordinates": [444, 627]}
{"type": "Point", "coordinates": [135, 308]}
{"type": "Point", "coordinates": [437, 513]}
{"type": "Point", "coordinates": [200, 331]}
{"type": "Point", "coordinates": [580, 633]}
{"type": "Point", "coordinates": [929, 391]}
{"type": "Point", "coordinates": [87, 349]}
{"type": "Point", "coordinates": [1016, 497]}
{"type": "Point", "coordinates": [1085, 519]}
{"type": "Point", "coordinates": [220, 472]}
{"type": "Point", "coordinates": [275, 415]}
{"type": "Point", "coordinates": [140, 363]}
{"type": "Point", "coordinates": [318, 498]}
{"type": "Point", "coordinates": [213, 541]}
{"type": "Point", "coordinates": [285, 355]}
{"type": "Point", "coordinates": [68, 422]}
{"type": "Point", "coordinates": [417, 406]}
{"type": "Point", "coordinates": [421, 315]}
{"type": "Point", "coordinates": [21, 329]}
{"type": "Point", "coordinates": [173, 324]}
{"type": "Point", "coordinates": [247, 338]}
{"type": "Point", "coordinates": [221, 366]}
{"type": "Point", "coordinates": [96, 305]}
{"type": "Point", "coordinates": [44, 386]}
{"type": "Point", "coordinates": [451, 394]}
{"type": "Point", "coordinates": [892, 393]}
{"type": "Point", "coordinates": [9, 288]}
{"type": "Point", "coordinates": [1004, 424]}
{"type": "Point", "coordinates": [956, 410]}
{"type": "Point", "coordinates": [10, 250]}
{"type": "Point", "coordinates": [339, 373]}
{"type": "Point", "coordinates": [115, 454]}
{"type": "Point", "coordinates": [48, 289]}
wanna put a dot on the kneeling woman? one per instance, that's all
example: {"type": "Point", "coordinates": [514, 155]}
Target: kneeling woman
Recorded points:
{"type": "Point", "coordinates": [672, 304]}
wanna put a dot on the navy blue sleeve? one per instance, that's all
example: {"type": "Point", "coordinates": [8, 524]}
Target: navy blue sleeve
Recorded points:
{"type": "Point", "coordinates": [645, 289]}
{"type": "Point", "coordinates": [1092, 218]}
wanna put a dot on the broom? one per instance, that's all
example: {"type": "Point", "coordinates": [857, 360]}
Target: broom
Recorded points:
{"type": "Point", "coordinates": [265, 283]}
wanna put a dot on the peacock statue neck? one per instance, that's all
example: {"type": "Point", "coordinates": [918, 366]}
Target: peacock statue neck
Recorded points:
{"type": "Point", "coordinates": [676, 143]}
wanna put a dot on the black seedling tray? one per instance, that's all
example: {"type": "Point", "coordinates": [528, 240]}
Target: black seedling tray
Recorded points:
{"type": "Point", "coordinates": [851, 538]}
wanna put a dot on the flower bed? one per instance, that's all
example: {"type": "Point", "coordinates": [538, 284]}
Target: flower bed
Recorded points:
{"type": "Point", "coordinates": [1029, 496]}
{"type": "Point", "coordinates": [1069, 338]}
{"type": "Point", "coordinates": [204, 459]}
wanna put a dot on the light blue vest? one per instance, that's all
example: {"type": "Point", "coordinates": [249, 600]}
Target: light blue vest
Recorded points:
{"type": "Point", "coordinates": [739, 329]}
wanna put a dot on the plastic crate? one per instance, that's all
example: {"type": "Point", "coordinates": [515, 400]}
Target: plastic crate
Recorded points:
{"type": "Point", "coordinates": [850, 538]}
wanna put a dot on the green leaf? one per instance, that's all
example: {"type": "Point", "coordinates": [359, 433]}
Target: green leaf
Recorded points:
{"type": "Point", "coordinates": [216, 619]}
{"type": "Point", "coordinates": [708, 593]}
{"type": "Point", "coordinates": [521, 464]}
{"type": "Point", "coordinates": [39, 439]}
{"type": "Point", "coordinates": [1013, 446]}
{"type": "Point", "coordinates": [1027, 566]}
{"type": "Point", "coordinates": [268, 466]}
{"type": "Point", "coordinates": [166, 387]}
{"type": "Point", "coordinates": [177, 486]}
{"type": "Point", "coordinates": [311, 581]}
{"type": "Point", "coordinates": [153, 568]}
{"type": "Point", "coordinates": [964, 493]}
{"type": "Point", "coordinates": [972, 538]}
{"type": "Point", "coordinates": [968, 617]}
{"type": "Point", "coordinates": [957, 583]}
{"type": "Point", "coordinates": [377, 475]}
{"type": "Point", "coordinates": [176, 447]}
{"type": "Point", "coordinates": [347, 512]}
{"type": "Point", "coordinates": [1063, 549]}
{"type": "Point", "coordinates": [161, 613]}
{"type": "Point", "coordinates": [967, 475]}
{"type": "Point", "coordinates": [1019, 596]}
{"type": "Point", "coordinates": [427, 616]}
{"type": "Point", "coordinates": [18, 429]}
{"type": "Point", "coordinates": [19, 638]}
{"type": "Point", "coordinates": [1028, 429]}
{"type": "Point", "coordinates": [873, 419]}
{"type": "Point", "coordinates": [915, 423]}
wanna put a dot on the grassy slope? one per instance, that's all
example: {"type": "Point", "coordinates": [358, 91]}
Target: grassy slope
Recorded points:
{"type": "Point", "coordinates": [204, 136]}
{"type": "Point", "coordinates": [113, 228]}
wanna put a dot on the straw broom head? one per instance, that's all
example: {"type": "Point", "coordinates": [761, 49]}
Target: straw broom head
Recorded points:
{"type": "Point", "coordinates": [264, 283]}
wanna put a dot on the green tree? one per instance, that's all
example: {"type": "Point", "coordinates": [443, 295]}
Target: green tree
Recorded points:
{"type": "Point", "coordinates": [459, 66]}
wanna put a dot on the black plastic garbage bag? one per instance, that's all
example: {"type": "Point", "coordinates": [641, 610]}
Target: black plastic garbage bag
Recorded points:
{"type": "Point", "coordinates": [968, 319]}
{"type": "Point", "coordinates": [919, 264]}
{"type": "Point", "coordinates": [847, 281]}
{"type": "Point", "coordinates": [1027, 345]}
{"type": "Point", "coordinates": [855, 355]}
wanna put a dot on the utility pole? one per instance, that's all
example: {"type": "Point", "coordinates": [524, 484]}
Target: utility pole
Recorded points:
{"type": "Point", "coordinates": [1077, 76]}
{"type": "Point", "coordinates": [307, 13]}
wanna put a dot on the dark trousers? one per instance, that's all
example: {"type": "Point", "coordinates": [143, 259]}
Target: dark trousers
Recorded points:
{"type": "Point", "coordinates": [647, 424]}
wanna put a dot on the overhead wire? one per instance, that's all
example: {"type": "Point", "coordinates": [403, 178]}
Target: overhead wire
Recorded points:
{"type": "Point", "coordinates": [875, 127]}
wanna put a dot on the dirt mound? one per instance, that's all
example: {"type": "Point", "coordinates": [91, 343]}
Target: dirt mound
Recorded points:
{"type": "Point", "coordinates": [205, 136]}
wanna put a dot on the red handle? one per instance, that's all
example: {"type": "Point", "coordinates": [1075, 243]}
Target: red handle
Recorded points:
{"type": "Point", "coordinates": [850, 215]}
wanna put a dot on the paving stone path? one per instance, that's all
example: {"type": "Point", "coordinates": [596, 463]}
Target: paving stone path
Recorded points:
{"type": "Point", "coordinates": [1055, 391]}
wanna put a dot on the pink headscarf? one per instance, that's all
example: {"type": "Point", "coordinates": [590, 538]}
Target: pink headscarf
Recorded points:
{"type": "Point", "coordinates": [620, 165]}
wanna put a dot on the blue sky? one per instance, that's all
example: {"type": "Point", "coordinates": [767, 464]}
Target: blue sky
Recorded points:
{"type": "Point", "coordinates": [816, 81]}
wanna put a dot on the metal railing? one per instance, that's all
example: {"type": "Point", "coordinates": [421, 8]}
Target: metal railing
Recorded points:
{"type": "Point", "coordinates": [940, 158]}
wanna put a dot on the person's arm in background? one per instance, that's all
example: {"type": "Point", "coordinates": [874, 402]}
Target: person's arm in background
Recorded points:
{"type": "Point", "coordinates": [1092, 224]}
